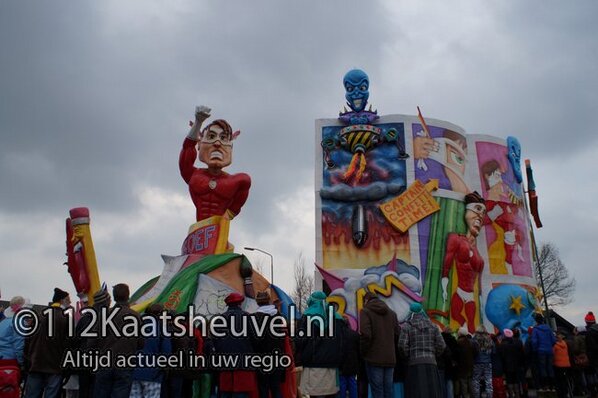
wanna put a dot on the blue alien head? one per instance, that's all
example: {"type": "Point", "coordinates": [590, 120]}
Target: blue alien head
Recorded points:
{"type": "Point", "coordinates": [356, 84]}
{"type": "Point", "coordinates": [514, 155]}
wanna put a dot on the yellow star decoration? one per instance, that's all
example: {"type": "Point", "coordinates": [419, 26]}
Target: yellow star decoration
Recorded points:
{"type": "Point", "coordinates": [516, 304]}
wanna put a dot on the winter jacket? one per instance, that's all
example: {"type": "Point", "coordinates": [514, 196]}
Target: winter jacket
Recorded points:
{"type": "Point", "coordinates": [379, 330]}
{"type": "Point", "coordinates": [561, 355]}
{"type": "Point", "coordinates": [451, 356]}
{"type": "Point", "coordinates": [11, 342]}
{"type": "Point", "coordinates": [264, 341]}
{"type": "Point", "coordinates": [421, 340]}
{"type": "Point", "coordinates": [235, 378]}
{"type": "Point", "coordinates": [465, 357]}
{"type": "Point", "coordinates": [154, 345]}
{"type": "Point", "coordinates": [484, 347]}
{"type": "Point", "coordinates": [43, 353]}
{"type": "Point", "coordinates": [112, 341]}
{"type": "Point", "coordinates": [230, 344]}
{"type": "Point", "coordinates": [592, 344]}
{"type": "Point", "coordinates": [543, 339]}
{"type": "Point", "coordinates": [350, 365]}
{"type": "Point", "coordinates": [317, 350]}
{"type": "Point", "coordinates": [512, 354]}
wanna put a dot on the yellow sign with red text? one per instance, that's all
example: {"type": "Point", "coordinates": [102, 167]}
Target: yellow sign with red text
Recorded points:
{"type": "Point", "coordinates": [411, 206]}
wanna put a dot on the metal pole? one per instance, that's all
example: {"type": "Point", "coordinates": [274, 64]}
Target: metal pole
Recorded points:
{"type": "Point", "coordinates": [271, 261]}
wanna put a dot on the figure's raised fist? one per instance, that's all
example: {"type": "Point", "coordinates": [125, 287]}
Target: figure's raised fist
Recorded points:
{"type": "Point", "coordinates": [202, 112]}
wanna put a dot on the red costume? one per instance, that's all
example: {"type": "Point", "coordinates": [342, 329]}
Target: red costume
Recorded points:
{"type": "Point", "coordinates": [212, 194]}
{"type": "Point", "coordinates": [468, 265]}
{"type": "Point", "coordinates": [507, 220]}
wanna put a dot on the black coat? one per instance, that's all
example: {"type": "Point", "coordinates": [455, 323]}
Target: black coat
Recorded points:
{"type": "Point", "coordinates": [229, 344]}
{"type": "Point", "coordinates": [512, 354]}
{"type": "Point", "coordinates": [450, 356]}
{"type": "Point", "coordinates": [350, 366]}
{"type": "Point", "coordinates": [592, 344]}
{"type": "Point", "coordinates": [317, 351]}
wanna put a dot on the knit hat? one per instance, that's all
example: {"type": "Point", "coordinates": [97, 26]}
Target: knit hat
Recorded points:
{"type": "Point", "coordinates": [59, 294]}
{"type": "Point", "coordinates": [507, 333]}
{"type": "Point", "coordinates": [416, 307]}
{"type": "Point", "coordinates": [590, 318]}
{"type": "Point", "coordinates": [234, 299]}
{"type": "Point", "coordinates": [100, 298]}
{"type": "Point", "coordinates": [262, 298]}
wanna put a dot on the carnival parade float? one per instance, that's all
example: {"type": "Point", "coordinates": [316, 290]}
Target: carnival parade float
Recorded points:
{"type": "Point", "coordinates": [411, 208]}
{"type": "Point", "coordinates": [416, 209]}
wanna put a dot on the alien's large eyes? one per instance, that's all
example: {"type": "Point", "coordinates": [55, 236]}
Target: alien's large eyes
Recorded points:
{"type": "Point", "coordinates": [363, 87]}
{"type": "Point", "coordinates": [350, 89]}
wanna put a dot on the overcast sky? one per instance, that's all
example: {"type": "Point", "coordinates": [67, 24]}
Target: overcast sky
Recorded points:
{"type": "Point", "coordinates": [95, 99]}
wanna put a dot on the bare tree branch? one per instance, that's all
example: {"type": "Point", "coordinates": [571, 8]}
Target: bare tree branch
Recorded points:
{"type": "Point", "coordinates": [304, 283]}
{"type": "Point", "coordinates": [559, 287]}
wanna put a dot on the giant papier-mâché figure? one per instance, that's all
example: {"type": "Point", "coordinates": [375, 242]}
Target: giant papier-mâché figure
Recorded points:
{"type": "Point", "coordinates": [462, 252]}
{"type": "Point", "coordinates": [213, 191]}
{"type": "Point", "coordinates": [360, 135]}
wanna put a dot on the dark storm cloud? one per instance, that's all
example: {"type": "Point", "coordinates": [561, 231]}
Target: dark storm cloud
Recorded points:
{"type": "Point", "coordinates": [95, 98]}
{"type": "Point", "coordinates": [98, 102]}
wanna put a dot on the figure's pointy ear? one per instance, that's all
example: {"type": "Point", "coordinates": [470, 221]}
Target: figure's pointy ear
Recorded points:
{"type": "Point", "coordinates": [236, 134]}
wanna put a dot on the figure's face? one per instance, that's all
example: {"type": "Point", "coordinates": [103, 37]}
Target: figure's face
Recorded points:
{"type": "Point", "coordinates": [454, 166]}
{"type": "Point", "coordinates": [216, 148]}
{"type": "Point", "coordinates": [356, 84]}
{"type": "Point", "coordinates": [494, 178]}
{"type": "Point", "coordinates": [474, 217]}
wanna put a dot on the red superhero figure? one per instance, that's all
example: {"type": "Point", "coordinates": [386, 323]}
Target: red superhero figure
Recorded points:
{"type": "Point", "coordinates": [461, 251]}
{"type": "Point", "coordinates": [213, 191]}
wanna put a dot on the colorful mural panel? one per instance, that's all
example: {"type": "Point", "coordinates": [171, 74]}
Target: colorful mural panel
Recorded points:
{"type": "Point", "coordinates": [462, 251]}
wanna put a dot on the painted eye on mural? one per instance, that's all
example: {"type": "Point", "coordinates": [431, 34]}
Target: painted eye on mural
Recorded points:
{"type": "Point", "coordinates": [363, 87]}
{"type": "Point", "coordinates": [457, 158]}
{"type": "Point", "coordinates": [349, 89]}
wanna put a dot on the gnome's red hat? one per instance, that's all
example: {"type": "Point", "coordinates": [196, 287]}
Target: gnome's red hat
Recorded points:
{"type": "Point", "coordinates": [234, 299]}
{"type": "Point", "coordinates": [590, 318]}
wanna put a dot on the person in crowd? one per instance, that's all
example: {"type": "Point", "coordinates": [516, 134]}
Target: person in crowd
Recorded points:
{"type": "Point", "coordinates": [44, 353]}
{"type": "Point", "coordinates": [465, 359]}
{"type": "Point", "coordinates": [101, 299]}
{"type": "Point", "coordinates": [522, 365]}
{"type": "Point", "coordinates": [498, 372]}
{"type": "Point", "coordinates": [511, 352]}
{"type": "Point", "coordinates": [11, 347]}
{"type": "Point", "coordinates": [447, 362]}
{"type": "Point", "coordinates": [268, 343]}
{"type": "Point", "coordinates": [187, 341]}
{"type": "Point", "coordinates": [11, 342]}
{"type": "Point", "coordinates": [378, 331]}
{"type": "Point", "coordinates": [482, 367]}
{"type": "Point", "coordinates": [236, 381]}
{"type": "Point", "coordinates": [531, 360]}
{"type": "Point", "coordinates": [581, 361]}
{"type": "Point", "coordinates": [400, 374]}
{"type": "Point", "coordinates": [320, 354]}
{"type": "Point", "coordinates": [592, 352]}
{"type": "Point", "coordinates": [542, 342]}
{"type": "Point", "coordinates": [350, 363]}
{"type": "Point", "coordinates": [562, 365]}
{"type": "Point", "coordinates": [147, 380]}
{"type": "Point", "coordinates": [116, 382]}
{"type": "Point", "coordinates": [422, 342]}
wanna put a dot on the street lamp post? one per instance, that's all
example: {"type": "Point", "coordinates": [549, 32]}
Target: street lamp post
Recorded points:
{"type": "Point", "coordinates": [271, 261]}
